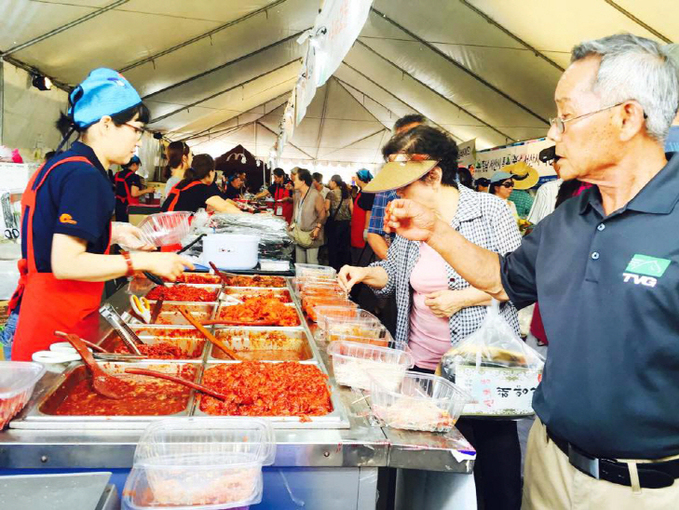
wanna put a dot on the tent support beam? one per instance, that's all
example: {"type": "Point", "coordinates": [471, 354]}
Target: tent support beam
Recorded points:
{"type": "Point", "coordinates": [34, 70]}
{"type": "Point", "coordinates": [394, 96]}
{"type": "Point", "coordinates": [631, 16]}
{"type": "Point", "coordinates": [406, 73]}
{"type": "Point", "coordinates": [212, 96]}
{"type": "Point", "coordinates": [500, 27]}
{"type": "Point", "coordinates": [346, 87]}
{"type": "Point", "coordinates": [355, 142]}
{"type": "Point", "coordinates": [208, 130]}
{"type": "Point", "coordinates": [63, 28]}
{"type": "Point", "coordinates": [227, 64]}
{"type": "Point", "coordinates": [454, 62]}
{"type": "Point", "coordinates": [288, 142]}
{"type": "Point", "coordinates": [322, 124]}
{"type": "Point", "coordinates": [200, 37]}
{"type": "Point", "coordinates": [232, 129]}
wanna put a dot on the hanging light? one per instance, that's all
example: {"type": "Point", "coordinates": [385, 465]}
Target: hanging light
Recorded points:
{"type": "Point", "coordinates": [243, 160]}
{"type": "Point", "coordinates": [41, 82]}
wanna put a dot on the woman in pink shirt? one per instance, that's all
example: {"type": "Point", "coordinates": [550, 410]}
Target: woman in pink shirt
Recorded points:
{"type": "Point", "coordinates": [436, 307]}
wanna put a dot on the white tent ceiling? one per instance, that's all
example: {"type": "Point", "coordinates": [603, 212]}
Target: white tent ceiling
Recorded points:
{"type": "Point", "coordinates": [218, 73]}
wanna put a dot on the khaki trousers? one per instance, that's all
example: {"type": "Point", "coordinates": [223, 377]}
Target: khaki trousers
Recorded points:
{"type": "Point", "coordinates": [552, 483]}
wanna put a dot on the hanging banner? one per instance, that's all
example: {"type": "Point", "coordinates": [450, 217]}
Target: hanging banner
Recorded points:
{"type": "Point", "coordinates": [491, 160]}
{"type": "Point", "coordinates": [466, 153]}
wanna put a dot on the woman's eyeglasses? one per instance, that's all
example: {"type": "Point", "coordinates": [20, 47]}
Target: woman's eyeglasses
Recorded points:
{"type": "Point", "coordinates": [508, 184]}
{"type": "Point", "coordinates": [139, 131]}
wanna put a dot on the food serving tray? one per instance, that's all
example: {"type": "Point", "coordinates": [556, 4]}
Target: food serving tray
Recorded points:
{"type": "Point", "coordinates": [186, 337]}
{"type": "Point", "coordinates": [169, 313]}
{"type": "Point", "coordinates": [40, 415]}
{"type": "Point", "coordinates": [264, 344]}
{"type": "Point", "coordinates": [336, 419]}
{"type": "Point", "coordinates": [300, 316]}
{"type": "Point", "coordinates": [240, 292]}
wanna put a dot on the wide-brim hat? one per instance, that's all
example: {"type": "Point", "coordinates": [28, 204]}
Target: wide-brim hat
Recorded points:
{"type": "Point", "coordinates": [398, 174]}
{"type": "Point", "coordinates": [524, 175]}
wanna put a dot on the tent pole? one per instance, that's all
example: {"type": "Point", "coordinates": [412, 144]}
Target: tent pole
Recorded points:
{"type": "Point", "coordinates": [207, 131]}
{"type": "Point", "coordinates": [201, 36]}
{"type": "Point", "coordinates": [497, 25]}
{"type": "Point", "coordinates": [227, 64]}
{"type": "Point", "coordinates": [290, 143]}
{"type": "Point", "coordinates": [392, 95]}
{"type": "Point", "coordinates": [323, 112]}
{"type": "Point", "coordinates": [631, 16]}
{"type": "Point", "coordinates": [212, 96]}
{"type": "Point", "coordinates": [65, 27]}
{"type": "Point", "coordinates": [454, 62]}
{"type": "Point", "coordinates": [406, 73]}
{"type": "Point", "coordinates": [357, 141]}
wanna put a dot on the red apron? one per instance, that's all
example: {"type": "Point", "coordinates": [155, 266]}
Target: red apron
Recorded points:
{"type": "Point", "coordinates": [286, 207]}
{"type": "Point", "coordinates": [175, 192]}
{"type": "Point", "coordinates": [357, 224]}
{"type": "Point", "coordinates": [121, 178]}
{"type": "Point", "coordinates": [48, 304]}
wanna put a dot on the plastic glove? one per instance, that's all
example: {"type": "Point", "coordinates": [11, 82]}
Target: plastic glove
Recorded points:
{"type": "Point", "coordinates": [129, 237]}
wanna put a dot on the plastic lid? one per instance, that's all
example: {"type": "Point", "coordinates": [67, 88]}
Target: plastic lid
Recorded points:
{"type": "Point", "coordinates": [207, 442]}
{"type": "Point", "coordinates": [343, 348]}
{"type": "Point", "coordinates": [18, 376]}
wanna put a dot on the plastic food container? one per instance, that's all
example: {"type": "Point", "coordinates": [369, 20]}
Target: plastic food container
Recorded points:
{"type": "Point", "coordinates": [17, 381]}
{"type": "Point", "coordinates": [323, 313]}
{"type": "Point", "coordinates": [363, 324]}
{"type": "Point", "coordinates": [422, 402]}
{"type": "Point", "coordinates": [314, 270]}
{"type": "Point", "coordinates": [353, 362]}
{"type": "Point", "coordinates": [231, 251]}
{"type": "Point", "coordinates": [379, 337]}
{"type": "Point", "coordinates": [162, 229]}
{"type": "Point", "coordinates": [207, 463]}
{"type": "Point", "coordinates": [311, 303]}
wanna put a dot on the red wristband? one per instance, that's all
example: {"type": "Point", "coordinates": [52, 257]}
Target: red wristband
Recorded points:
{"type": "Point", "coordinates": [128, 260]}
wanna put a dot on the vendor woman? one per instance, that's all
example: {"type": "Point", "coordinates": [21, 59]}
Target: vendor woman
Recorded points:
{"type": "Point", "coordinates": [198, 190]}
{"type": "Point", "coordinates": [128, 188]}
{"type": "Point", "coordinates": [66, 222]}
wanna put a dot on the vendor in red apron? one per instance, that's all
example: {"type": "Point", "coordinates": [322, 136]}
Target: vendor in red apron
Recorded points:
{"type": "Point", "coordinates": [198, 190]}
{"type": "Point", "coordinates": [361, 253]}
{"type": "Point", "coordinates": [66, 219]}
{"type": "Point", "coordinates": [281, 194]}
{"type": "Point", "coordinates": [128, 188]}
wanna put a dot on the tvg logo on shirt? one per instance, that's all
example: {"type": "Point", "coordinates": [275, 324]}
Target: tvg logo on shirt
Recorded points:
{"type": "Point", "coordinates": [645, 270]}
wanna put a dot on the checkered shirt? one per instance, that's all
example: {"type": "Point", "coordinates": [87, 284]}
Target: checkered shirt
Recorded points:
{"type": "Point", "coordinates": [483, 219]}
{"type": "Point", "coordinates": [377, 214]}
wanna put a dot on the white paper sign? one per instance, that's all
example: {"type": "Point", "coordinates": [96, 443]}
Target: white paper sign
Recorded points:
{"type": "Point", "coordinates": [498, 391]}
{"type": "Point", "coordinates": [467, 153]}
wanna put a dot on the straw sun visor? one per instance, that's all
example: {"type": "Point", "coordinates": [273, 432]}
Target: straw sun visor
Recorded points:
{"type": "Point", "coordinates": [404, 170]}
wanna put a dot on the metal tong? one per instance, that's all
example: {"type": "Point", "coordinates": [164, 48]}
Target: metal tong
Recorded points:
{"type": "Point", "coordinates": [128, 336]}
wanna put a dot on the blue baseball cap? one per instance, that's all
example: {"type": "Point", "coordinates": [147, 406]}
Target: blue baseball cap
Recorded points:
{"type": "Point", "coordinates": [104, 92]}
{"type": "Point", "coordinates": [133, 160]}
{"type": "Point", "coordinates": [364, 175]}
{"type": "Point", "coordinates": [500, 176]}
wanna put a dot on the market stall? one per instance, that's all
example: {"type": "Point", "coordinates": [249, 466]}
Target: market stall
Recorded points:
{"type": "Point", "coordinates": [329, 442]}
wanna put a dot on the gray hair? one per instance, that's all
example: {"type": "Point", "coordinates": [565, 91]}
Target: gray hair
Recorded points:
{"type": "Point", "coordinates": [635, 68]}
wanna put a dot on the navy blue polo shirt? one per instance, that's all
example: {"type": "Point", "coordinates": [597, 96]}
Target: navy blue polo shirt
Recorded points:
{"type": "Point", "coordinates": [131, 178]}
{"type": "Point", "coordinates": [608, 288]}
{"type": "Point", "coordinates": [76, 199]}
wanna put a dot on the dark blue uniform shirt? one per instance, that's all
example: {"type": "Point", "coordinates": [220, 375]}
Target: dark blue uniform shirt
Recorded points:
{"type": "Point", "coordinates": [76, 200]}
{"type": "Point", "coordinates": [608, 288]}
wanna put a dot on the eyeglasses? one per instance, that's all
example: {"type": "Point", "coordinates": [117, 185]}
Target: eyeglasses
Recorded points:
{"type": "Point", "coordinates": [508, 184]}
{"type": "Point", "coordinates": [138, 130]}
{"type": "Point", "coordinates": [559, 123]}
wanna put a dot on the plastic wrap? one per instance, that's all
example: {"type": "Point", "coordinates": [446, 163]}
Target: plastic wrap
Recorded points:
{"type": "Point", "coordinates": [274, 243]}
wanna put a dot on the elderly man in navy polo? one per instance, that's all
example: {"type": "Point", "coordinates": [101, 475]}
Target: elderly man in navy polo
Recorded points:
{"type": "Point", "coordinates": [605, 267]}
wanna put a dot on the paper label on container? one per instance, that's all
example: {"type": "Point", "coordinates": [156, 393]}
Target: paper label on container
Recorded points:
{"type": "Point", "coordinates": [498, 391]}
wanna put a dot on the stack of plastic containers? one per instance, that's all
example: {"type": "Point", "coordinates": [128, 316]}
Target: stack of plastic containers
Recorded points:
{"type": "Point", "coordinates": [162, 229]}
{"type": "Point", "coordinates": [200, 463]}
{"type": "Point", "coordinates": [17, 381]}
{"type": "Point", "coordinates": [420, 402]}
{"type": "Point", "coordinates": [363, 327]}
{"type": "Point", "coordinates": [317, 286]}
{"type": "Point", "coordinates": [352, 364]}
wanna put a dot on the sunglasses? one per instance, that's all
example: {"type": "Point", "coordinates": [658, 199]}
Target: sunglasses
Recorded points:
{"type": "Point", "coordinates": [508, 184]}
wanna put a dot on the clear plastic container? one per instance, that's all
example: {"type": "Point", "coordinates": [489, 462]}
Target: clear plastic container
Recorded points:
{"type": "Point", "coordinates": [17, 381]}
{"type": "Point", "coordinates": [422, 402]}
{"type": "Point", "coordinates": [209, 463]}
{"type": "Point", "coordinates": [311, 303]}
{"type": "Point", "coordinates": [353, 362]}
{"type": "Point", "coordinates": [379, 337]}
{"type": "Point", "coordinates": [162, 229]}
{"type": "Point", "coordinates": [364, 324]}
{"type": "Point", "coordinates": [305, 270]}
{"type": "Point", "coordinates": [323, 313]}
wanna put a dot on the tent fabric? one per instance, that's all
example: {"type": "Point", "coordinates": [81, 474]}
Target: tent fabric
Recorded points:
{"type": "Point", "coordinates": [218, 74]}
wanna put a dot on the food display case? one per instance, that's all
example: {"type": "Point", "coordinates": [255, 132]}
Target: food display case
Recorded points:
{"type": "Point", "coordinates": [342, 448]}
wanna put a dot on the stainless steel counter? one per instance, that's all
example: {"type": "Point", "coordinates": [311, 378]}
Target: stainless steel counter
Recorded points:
{"type": "Point", "coordinates": [362, 445]}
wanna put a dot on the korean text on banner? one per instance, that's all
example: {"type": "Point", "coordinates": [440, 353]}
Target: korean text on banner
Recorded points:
{"type": "Point", "coordinates": [492, 160]}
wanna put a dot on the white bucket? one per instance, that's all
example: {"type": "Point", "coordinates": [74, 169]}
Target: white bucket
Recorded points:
{"type": "Point", "coordinates": [231, 251]}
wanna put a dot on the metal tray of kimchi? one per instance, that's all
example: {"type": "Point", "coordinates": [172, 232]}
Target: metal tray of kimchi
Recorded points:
{"type": "Point", "coordinates": [161, 342]}
{"type": "Point", "coordinates": [60, 397]}
{"type": "Point", "coordinates": [263, 344]}
{"type": "Point", "coordinates": [169, 313]}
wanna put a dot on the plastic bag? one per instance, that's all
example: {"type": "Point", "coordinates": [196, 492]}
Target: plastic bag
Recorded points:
{"type": "Point", "coordinates": [494, 344]}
